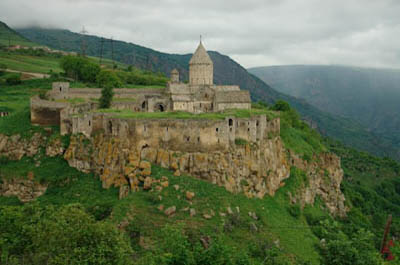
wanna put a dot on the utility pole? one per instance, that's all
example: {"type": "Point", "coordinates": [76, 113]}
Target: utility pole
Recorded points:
{"type": "Point", "coordinates": [83, 43]}
{"type": "Point", "coordinates": [112, 52]}
{"type": "Point", "coordinates": [101, 49]}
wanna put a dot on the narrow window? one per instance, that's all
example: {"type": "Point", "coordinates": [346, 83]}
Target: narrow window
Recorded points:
{"type": "Point", "coordinates": [89, 123]}
{"type": "Point", "coordinates": [230, 122]}
{"type": "Point", "coordinates": [216, 129]}
{"type": "Point", "coordinates": [198, 139]}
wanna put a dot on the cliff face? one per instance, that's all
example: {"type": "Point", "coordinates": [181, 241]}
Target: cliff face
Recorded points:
{"type": "Point", "coordinates": [249, 168]}
{"type": "Point", "coordinates": [256, 170]}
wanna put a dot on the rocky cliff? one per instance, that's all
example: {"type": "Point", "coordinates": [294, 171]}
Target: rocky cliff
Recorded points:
{"type": "Point", "coordinates": [255, 170]}
{"type": "Point", "coordinates": [248, 168]}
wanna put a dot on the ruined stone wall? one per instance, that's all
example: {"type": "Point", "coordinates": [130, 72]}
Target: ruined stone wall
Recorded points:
{"type": "Point", "coordinates": [67, 119]}
{"type": "Point", "coordinates": [44, 112]}
{"type": "Point", "coordinates": [179, 134]}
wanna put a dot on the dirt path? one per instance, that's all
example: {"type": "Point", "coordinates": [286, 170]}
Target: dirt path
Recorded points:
{"type": "Point", "coordinates": [29, 74]}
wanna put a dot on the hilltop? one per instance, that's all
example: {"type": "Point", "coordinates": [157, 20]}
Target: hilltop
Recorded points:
{"type": "Point", "coordinates": [227, 71]}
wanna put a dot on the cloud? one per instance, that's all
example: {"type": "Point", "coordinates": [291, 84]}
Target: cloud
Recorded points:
{"type": "Point", "coordinates": [253, 32]}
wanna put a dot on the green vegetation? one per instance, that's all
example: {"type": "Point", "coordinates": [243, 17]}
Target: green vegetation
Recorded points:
{"type": "Point", "coordinates": [236, 238]}
{"type": "Point", "coordinates": [297, 135]}
{"type": "Point", "coordinates": [106, 96]}
{"type": "Point", "coordinates": [108, 78]}
{"type": "Point", "coordinates": [239, 113]}
{"type": "Point", "coordinates": [30, 63]}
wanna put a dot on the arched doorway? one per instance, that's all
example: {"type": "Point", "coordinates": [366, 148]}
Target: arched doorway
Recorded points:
{"type": "Point", "coordinates": [159, 107]}
{"type": "Point", "coordinates": [144, 106]}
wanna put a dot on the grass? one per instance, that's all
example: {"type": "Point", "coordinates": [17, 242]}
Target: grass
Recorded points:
{"type": "Point", "coordinates": [240, 113]}
{"type": "Point", "coordinates": [72, 100]}
{"type": "Point", "coordinates": [29, 63]}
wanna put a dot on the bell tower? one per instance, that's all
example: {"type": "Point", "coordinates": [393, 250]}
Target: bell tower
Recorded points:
{"type": "Point", "coordinates": [201, 67]}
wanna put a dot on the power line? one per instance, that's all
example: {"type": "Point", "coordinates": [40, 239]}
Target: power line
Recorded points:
{"type": "Point", "coordinates": [101, 49]}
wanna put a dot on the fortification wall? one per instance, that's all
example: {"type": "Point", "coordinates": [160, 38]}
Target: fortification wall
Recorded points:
{"type": "Point", "coordinates": [68, 121]}
{"type": "Point", "coordinates": [95, 93]}
{"type": "Point", "coordinates": [44, 112]}
{"type": "Point", "coordinates": [186, 135]}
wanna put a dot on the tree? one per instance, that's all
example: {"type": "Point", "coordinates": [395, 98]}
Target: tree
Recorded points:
{"type": "Point", "coordinates": [281, 105]}
{"type": "Point", "coordinates": [80, 68]}
{"type": "Point", "coordinates": [106, 77]}
{"type": "Point", "coordinates": [107, 94]}
{"type": "Point", "coordinates": [89, 72]}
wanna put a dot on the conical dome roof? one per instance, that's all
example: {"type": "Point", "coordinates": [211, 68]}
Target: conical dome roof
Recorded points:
{"type": "Point", "coordinates": [200, 56]}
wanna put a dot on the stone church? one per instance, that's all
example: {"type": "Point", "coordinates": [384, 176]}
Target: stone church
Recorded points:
{"type": "Point", "coordinates": [200, 94]}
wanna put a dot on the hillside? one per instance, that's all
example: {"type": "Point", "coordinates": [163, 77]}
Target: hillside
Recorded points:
{"type": "Point", "coordinates": [74, 216]}
{"type": "Point", "coordinates": [226, 71]}
{"type": "Point", "coordinates": [10, 37]}
{"type": "Point", "coordinates": [368, 96]}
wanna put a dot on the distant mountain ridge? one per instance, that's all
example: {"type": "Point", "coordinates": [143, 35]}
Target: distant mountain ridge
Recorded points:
{"type": "Point", "coordinates": [226, 71]}
{"type": "Point", "coordinates": [369, 96]}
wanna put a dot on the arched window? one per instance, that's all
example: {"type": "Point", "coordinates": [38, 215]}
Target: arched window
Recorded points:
{"type": "Point", "coordinates": [230, 121]}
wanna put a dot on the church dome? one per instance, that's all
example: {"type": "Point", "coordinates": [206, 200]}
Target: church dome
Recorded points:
{"type": "Point", "coordinates": [200, 56]}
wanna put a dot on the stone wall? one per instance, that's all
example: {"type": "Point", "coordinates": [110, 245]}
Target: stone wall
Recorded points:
{"type": "Point", "coordinates": [45, 112]}
{"type": "Point", "coordinates": [178, 134]}
{"type": "Point", "coordinates": [95, 93]}
{"type": "Point", "coordinates": [226, 106]}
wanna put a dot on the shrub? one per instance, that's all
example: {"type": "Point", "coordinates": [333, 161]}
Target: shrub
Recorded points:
{"type": "Point", "coordinates": [14, 79]}
{"type": "Point", "coordinates": [281, 105]}
{"type": "Point", "coordinates": [294, 210]}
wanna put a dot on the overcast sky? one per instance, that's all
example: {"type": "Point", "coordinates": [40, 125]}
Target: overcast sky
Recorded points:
{"type": "Point", "coordinates": [253, 32]}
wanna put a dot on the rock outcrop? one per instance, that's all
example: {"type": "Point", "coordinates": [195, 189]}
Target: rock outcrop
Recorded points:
{"type": "Point", "coordinates": [25, 189]}
{"type": "Point", "coordinates": [254, 169]}
{"type": "Point", "coordinates": [249, 168]}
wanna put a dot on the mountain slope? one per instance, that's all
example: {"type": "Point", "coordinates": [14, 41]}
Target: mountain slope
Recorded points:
{"type": "Point", "coordinates": [226, 71]}
{"type": "Point", "coordinates": [369, 96]}
{"type": "Point", "coordinates": [9, 36]}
